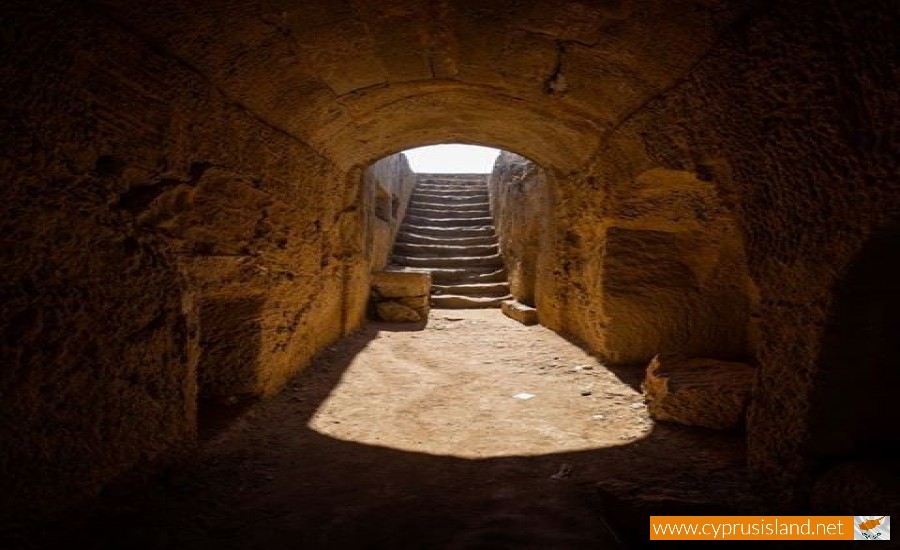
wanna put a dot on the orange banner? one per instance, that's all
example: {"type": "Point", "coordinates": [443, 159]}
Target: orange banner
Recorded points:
{"type": "Point", "coordinates": [751, 527]}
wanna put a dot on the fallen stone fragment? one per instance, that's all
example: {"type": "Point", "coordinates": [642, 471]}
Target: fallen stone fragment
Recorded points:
{"type": "Point", "coordinates": [421, 304]}
{"type": "Point", "coordinates": [397, 313]}
{"type": "Point", "coordinates": [520, 312]}
{"type": "Point", "coordinates": [400, 284]}
{"type": "Point", "coordinates": [698, 392]}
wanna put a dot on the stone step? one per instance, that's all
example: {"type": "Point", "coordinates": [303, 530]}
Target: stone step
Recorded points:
{"type": "Point", "coordinates": [468, 204]}
{"type": "Point", "coordinates": [451, 195]}
{"type": "Point", "coordinates": [522, 313]}
{"type": "Point", "coordinates": [455, 183]}
{"type": "Point", "coordinates": [452, 261]}
{"type": "Point", "coordinates": [444, 250]}
{"type": "Point", "coordinates": [449, 222]}
{"type": "Point", "coordinates": [456, 301]}
{"type": "Point", "coordinates": [473, 289]}
{"type": "Point", "coordinates": [471, 275]}
{"type": "Point", "coordinates": [468, 198]}
{"type": "Point", "coordinates": [456, 178]}
{"type": "Point", "coordinates": [448, 212]}
{"type": "Point", "coordinates": [450, 190]}
{"type": "Point", "coordinates": [414, 238]}
{"type": "Point", "coordinates": [441, 206]}
{"type": "Point", "coordinates": [451, 232]}
{"type": "Point", "coordinates": [480, 190]}
{"type": "Point", "coordinates": [462, 183]}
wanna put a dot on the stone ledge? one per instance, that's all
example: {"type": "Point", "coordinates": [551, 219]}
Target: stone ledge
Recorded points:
{"type": "Point", "coordinates": [401, 284]}
{"type": "Point", "coordinates": [401, 296]}
{"type": "Point", "coordinates": [698, 392]}
{"type": "Point", "coordinates": [526, 315]}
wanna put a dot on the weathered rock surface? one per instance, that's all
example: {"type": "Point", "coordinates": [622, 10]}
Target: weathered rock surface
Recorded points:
{"type": "Point", "coordinates": [408, 289]}
{"type": "Point", "coordinates": [387, 185]}
{"type": "Point", "coordinates": [400, 284]}
{"type": "Point", "coordinates": [178, 164]}
{"type": "Point", "coordinates": [858, 485]}
{"type": "Point", "coordinates": [699, 392]}
{"type": "Point", "coordinates": [396, 312]}
{"type": "Point", "coordinates": [521, 206]}
{"type": "Point", "coordinates": [526, 315]}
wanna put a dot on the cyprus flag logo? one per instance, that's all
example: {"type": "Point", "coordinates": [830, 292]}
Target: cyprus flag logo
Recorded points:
{"type": "Point", "coordinates": [871, 527]}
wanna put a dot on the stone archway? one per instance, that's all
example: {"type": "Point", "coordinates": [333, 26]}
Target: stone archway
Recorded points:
{"type": "Point", "coordinates": [165, 151]}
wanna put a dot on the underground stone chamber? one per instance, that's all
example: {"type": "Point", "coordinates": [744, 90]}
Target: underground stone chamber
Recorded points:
{"type": "Point", "coordinates": [191, 210]}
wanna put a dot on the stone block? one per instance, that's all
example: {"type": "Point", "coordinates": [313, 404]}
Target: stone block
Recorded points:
{"type": "Point", "coordinates": [698, 392]}
{"type": "Point", "coordinates": [400, 284]}
{"type": "Point", "coordinates": [857, 484]}
{"type": "Point", "coordinates": [526, 315]}
{"type": "Point", "coordinates": [421, 304]}
{"type": "Point", "coordinates": [397, 313]}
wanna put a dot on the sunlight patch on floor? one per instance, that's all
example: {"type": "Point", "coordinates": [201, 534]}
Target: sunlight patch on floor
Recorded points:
{"type": "Point", "coordinates": [456, 388]}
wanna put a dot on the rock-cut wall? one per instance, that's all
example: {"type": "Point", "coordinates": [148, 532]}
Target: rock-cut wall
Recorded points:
{"type": "Point", "coordinates": [160, 242]}
{"type": "Point", "coordinates": [790, 123]}
{"type": "Point", "coordinates": [655, 266]}
{"type": "Point", "coordinates": [388, 185]}
{"type": "Point", "coordinates": [519, 193]}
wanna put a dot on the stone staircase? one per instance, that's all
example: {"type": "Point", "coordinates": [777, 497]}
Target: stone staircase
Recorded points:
{"type": "Point", "coordinates": [449, 231]}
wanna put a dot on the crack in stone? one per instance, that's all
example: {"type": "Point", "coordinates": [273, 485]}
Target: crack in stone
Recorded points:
{"type": "Point", "coordinates": [556, 82]}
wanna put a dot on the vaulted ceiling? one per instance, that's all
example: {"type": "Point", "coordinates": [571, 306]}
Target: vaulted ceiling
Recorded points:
{"type": "Point", "coordinates": [359, 79]}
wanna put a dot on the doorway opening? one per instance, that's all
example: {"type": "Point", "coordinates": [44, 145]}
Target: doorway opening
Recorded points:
{"type": "Point", "coordinates": [452, 158]}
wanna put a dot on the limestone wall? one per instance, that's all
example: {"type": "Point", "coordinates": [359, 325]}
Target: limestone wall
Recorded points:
{"type": "Point", "coordinates": [160, 241]}
{"type": "Point", "coordinates": [519, 204]}
{"type": "Point", "coordinates": [656, 267]}
{"type": "Point", "coordinates": [183, 204]}
{"type": "Point", "coordinates": [673, 275]}
{"type": "Point", "coordinates": [793, 135]}
{"type": "Point", "coordinates": [388, 186]}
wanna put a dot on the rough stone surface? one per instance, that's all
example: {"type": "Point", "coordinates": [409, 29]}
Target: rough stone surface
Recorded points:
{"type": "Point", "coordinates": [519, 201]}
{"type": "Point", "coordinates": [400, 284]}
{"type": "Point", "coordinates": [396, 312]}
{"type": "Point", "coordinates": [422, 304]}
{"type": "Point", "coordinates": [361, 80]}
{"type": "Point", "coordinates": [796, 140]}
{"type": "Point", "coordinates": [388, 184]}
{"type": "Point", "coordinates": [177, 164]}
{"type": "Point", "coordinates": [699, 392]}
{"type": "Point", "coordinates": [858, 484]}
{"type": "Point", "coordinates": [407, 289]}
{"type": "Point", "coordinates": [166, 247]}
{"type": "Point", "coordinates": [520, 312]}
{"type": "Point", "coordinates": [658, 267]}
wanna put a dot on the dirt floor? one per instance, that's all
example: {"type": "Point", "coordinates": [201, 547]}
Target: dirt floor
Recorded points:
{"type": "Point", "coordinates": [410, 437]}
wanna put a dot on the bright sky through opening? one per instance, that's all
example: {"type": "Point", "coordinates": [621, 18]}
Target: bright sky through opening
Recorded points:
{"type": "Point", "coordinates": [452, 158]}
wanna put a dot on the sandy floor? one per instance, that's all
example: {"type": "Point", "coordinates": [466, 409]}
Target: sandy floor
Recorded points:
{"type": "Point", "coordinates": [451, 391]}
{"type": "Point", "coordinates": [403, 437]}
